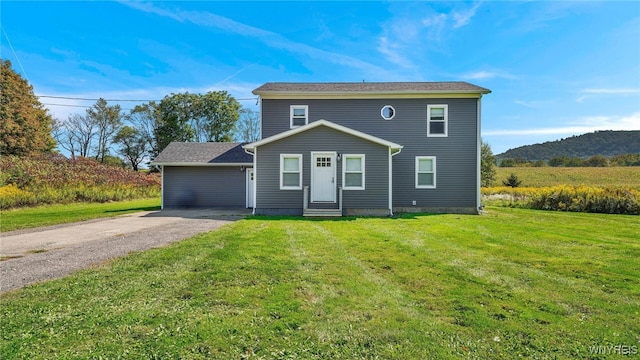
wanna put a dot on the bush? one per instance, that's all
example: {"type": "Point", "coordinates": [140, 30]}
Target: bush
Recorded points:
{"type": "Point", "coordinates": [512, 181]}
{"type": "Point", "coordinates": [53, 179]}
{"type": "Point", "coordinates": [568, 198]}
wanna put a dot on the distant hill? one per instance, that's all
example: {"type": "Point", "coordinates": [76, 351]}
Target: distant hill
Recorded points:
{"type": "Point", "coordinates": [605, 143]}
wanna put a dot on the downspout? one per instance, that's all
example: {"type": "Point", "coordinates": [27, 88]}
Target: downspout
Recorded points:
{"type": "Point", "coordinates": [161, 187]}
{"type": "Point", "coordinates": [391, 179]}
{"type": "Point", "coordinates": [255, 177]}
{"type": "Point", "coordinates": [479, 160]}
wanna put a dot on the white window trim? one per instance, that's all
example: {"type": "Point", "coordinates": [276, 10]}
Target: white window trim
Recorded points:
{"type": "Point", "coordinates": [344, 171]}
{"type": "Point", "coordinates": [306, 113]}
{"type": "Point", "coordinates": [446, 120]}
{"type": "Point", "coordinates": [392, 109]}
{"type": "Point", "coordinates": [418, 158]}
{"type": "Point", "coordinates": [282, 157]}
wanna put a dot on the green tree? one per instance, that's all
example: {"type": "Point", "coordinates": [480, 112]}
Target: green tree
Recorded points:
{"type": "Point", "coordinates": [107, 120]}
{"type": "Point", "coordinates": [194, 117]}
{"type": "Point", "coordinates": [172, 116]}
{"type": "Point", "coordinates": [218, 111]}
{"type": "Point", "coordinates": [512, 181]}
{"type": "Point", "coordinates": [25, 125]}
{"type": "Point", "coordinates": [133, 145]}
{"type": "Point", "coordinates": [487, 165]}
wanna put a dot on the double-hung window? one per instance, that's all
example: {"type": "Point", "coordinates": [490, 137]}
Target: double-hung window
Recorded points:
{"type": "Point", "coordinates": [353, 172]}
{"type": "Point", "coordinates": [425, 172]}
{"type": "Point", "coordinates": [299, 115]}
{"type": "Point", "coordinates": [437, 120]}
{"type": "Point", "coordinates": [290, 172]}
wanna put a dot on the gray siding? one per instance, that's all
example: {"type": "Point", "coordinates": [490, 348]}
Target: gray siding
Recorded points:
{"type": "Point", "coordinates": [456, 154]}
{"type": "Point", "coordinates": [375, 195]}
{"type": "Point", "coordinates": [204, 187]}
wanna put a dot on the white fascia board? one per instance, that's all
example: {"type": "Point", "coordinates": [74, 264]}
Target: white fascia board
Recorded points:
{"type": "Point", "coordinates": [372, 95]}
{"type": "Point", "coordinates": [393, 146]}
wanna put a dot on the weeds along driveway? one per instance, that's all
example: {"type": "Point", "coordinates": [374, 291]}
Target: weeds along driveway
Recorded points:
{"type": "Point", "coordinates": [34, 255]}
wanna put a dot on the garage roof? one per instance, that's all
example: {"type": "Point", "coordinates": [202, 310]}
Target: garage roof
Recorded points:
{"type": "Point", "coordinates": [203, 154]}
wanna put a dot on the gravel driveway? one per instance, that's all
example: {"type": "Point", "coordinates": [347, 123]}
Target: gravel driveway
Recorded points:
{"type": "Point", "coordinates": [40, 254]}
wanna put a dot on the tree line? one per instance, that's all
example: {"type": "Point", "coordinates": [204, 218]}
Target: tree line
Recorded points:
{"type": "Point", "coordinates": [568, 161]}
{"type": "Point", "coordinates": [105, 130]}
{"type": "Point", "coordinates": [603, 143]}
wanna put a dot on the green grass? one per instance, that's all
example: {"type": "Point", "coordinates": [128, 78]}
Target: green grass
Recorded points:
{"type": "Point", "coordinates": [64, 213]}
{"type": "Point", "coordinates": [627, 176]}
{"type": "Point", "coordinates": [510, 283]}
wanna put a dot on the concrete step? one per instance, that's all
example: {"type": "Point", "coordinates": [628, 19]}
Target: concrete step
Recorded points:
{"type": "Point", "coordinates": [322, 212]}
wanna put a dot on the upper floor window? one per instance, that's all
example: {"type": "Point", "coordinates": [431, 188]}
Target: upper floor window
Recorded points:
{"type": "Point", "coordinates": [299, 115]}
{"type": "Point", "coordinates": [437, 116]}
{"type": "Point", "coordinates": [388, 112]}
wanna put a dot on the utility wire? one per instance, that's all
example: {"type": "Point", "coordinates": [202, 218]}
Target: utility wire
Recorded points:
{"type": "Point", "coordinates": [133, 100]}
{"type": "Point", "coordinates": [14, 53]}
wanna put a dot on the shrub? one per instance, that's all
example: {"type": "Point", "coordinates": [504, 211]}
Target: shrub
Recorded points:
{"type": "Point", "coordinates": [53, 179]}
{"type": "Point", "coordinates": [568, 198]}
{"type": "Point", "coordinates": [512, 181]}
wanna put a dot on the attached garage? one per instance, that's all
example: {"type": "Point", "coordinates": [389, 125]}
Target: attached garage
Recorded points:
{"type": "Point", "coordinates": [206, 175]}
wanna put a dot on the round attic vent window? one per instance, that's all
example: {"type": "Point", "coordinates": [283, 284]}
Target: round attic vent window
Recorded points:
{"type": "Point", "coordinates": [388, 112]}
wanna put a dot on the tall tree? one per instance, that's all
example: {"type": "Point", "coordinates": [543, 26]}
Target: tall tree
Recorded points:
{"type": "Point", "coordinates": [76, 134]}
{"type": "Point", "coordinates": [25, 125]}
{"type": "Point", "coordinates": [194, 117]}
{"type": "Point", "coordinates": [143, 118]}
{"type": "Point", "coordinates": [219, 111]}
{"type": "Point", "coordinates": [172, 121]}
{"type": "Point", "coordinates": [133, 145]}
{"type": "Point", "coordinates": [487, 165]}
{"type": "Point", "coordinates": [107, 120]}
{"type": "Point", "coordinates": [248, 127]}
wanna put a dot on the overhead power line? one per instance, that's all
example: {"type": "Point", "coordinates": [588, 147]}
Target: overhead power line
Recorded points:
{"type": "Point", "coordinates": [132, 100]}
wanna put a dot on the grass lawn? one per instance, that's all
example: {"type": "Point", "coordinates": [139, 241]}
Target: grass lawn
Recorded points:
{"type": "Point", "coordinates": [65, 213]}
{"type": "Point", "coordinates": [510, 283]}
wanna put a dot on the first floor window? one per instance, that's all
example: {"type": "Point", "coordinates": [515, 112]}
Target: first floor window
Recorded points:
{"type": "Point", "coordinates": [353, 172]}
{"type": "Point", "coordinates": [425, 172]}
{"type": "Point", "coordinates": [290, 172]}
{"type": "Point", "coordinates": [437, 116]}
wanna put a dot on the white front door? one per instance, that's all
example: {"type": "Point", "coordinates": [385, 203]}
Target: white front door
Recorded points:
{"type": "Point", "coordinates": [250, 187]}
{"type": "Point", "coordinates": [323, 177]}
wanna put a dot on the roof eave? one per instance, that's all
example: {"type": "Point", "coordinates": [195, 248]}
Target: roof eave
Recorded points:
{"type": "Point", "coordinates": [201, 164]}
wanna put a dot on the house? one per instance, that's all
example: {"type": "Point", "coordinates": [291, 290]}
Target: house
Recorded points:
{"type": "Point", "coordinates": [330, 149]}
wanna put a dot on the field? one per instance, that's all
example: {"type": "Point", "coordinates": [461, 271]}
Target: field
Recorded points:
{"type": "Point", "coordinates": [510, 283]}
{"type": "Point", "coordinates": [628, 176]}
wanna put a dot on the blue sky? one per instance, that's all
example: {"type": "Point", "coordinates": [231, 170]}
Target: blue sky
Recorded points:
{"type": "Point", "coordinates": [555, 69]}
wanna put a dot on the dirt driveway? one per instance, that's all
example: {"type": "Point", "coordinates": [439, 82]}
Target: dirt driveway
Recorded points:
{"type": "Point", "coordinates": [35, 255]}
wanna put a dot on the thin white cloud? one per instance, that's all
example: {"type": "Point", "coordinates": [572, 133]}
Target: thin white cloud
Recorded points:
{"type": "Point", "coordinates": [275, 40]}
{"type": "Point", "coordinates": [483, 75]}
{"type": "Point", "coordinates": [618, 91]}
{"type": "Point", "coordinates": [587, 124]}
{"type": "Point", "coordinates": [462, 18]}
{"type": "Point", "coordinates": [590, 93]}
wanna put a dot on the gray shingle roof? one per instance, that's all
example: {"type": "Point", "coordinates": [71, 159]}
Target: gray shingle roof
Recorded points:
{"type": "Point", "coordinates": [370, 87]}
{"type": "Point", "coordinates": [203, 153]}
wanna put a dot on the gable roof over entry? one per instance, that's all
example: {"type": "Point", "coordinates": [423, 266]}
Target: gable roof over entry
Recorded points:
{"type": "Point", "coordinates": [395, 148]}
{"type": "Point", "coordinates": [203, 154]}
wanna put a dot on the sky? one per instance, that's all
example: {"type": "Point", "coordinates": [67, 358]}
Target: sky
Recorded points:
{"type": "Point", "coordinates": [555, 68]}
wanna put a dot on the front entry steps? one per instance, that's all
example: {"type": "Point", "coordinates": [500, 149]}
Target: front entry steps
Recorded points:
{"type": "Point", "coordinates": [322, 212]}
